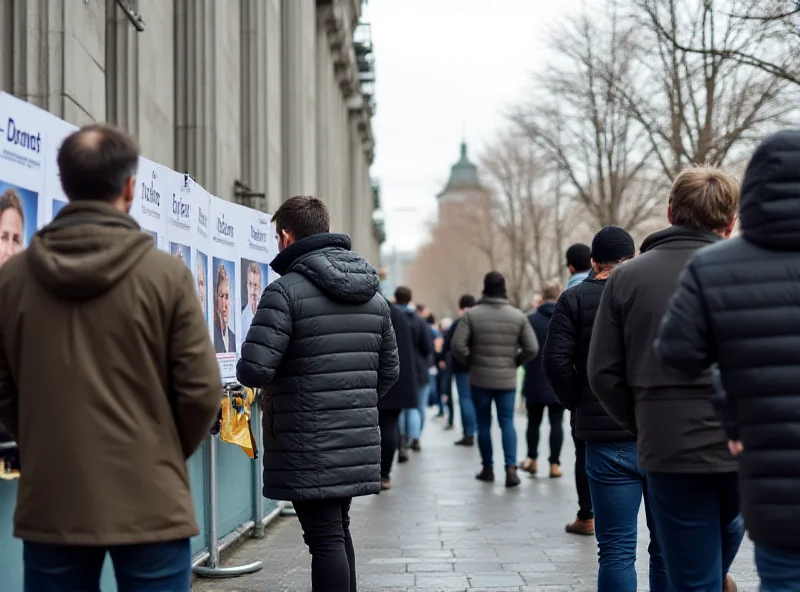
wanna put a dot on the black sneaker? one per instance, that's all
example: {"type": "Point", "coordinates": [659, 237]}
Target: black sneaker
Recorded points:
{"type": "Point", "coordinates": [466, 441]}
{"type": "Point", "coordinates": [402, 456]}
{"type": "Point", "coordinates": [486, 474]}
{"type": "Point", "coordinates": [415, 446]}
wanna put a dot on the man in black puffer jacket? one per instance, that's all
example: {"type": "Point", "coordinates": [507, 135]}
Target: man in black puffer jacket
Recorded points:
{"type": "Point", "coordinates": [616, 480]}
{"type": "Point", "coordinates": [691, 476]}
{"type": "Point", "coordinates": [737, 306]}
{"type": "Point", "coordinates": [322, 347]}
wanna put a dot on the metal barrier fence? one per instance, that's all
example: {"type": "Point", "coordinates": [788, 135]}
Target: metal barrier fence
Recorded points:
{"type": "Point", "coordinates": [226, 488]}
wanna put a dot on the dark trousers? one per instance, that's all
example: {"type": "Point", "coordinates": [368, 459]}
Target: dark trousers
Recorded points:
{"type": "Point", "coordinates": [698, 525]}
{"type": "Point", "coordinates": [555, 413]}
{"type": "Point", "coordinates": [153, 567]}
{"type": "Point", "coordinates": [326, 531]}
{"type": "Point", "coordinates": [585, 511]}
{"type": "Point", "coordinates": [446, 388]}
{"type": "Point", "coordinates": [389, 423]}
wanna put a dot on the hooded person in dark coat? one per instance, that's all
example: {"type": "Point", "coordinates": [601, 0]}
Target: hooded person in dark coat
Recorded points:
{"type": "Point", "coordinates": [402, 395]}
{"type": "Point", "coordinates": [691, 475]}
{"type": "Point", "coordinates": [736, 306]}
{"type": "Point", "coordinates": [322, 347]}
{"type": "Point", "coordinates": [538, 393]}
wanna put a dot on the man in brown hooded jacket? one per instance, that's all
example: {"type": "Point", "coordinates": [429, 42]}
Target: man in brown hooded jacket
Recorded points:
{"type": "Point", "coordinates": [108, 383]}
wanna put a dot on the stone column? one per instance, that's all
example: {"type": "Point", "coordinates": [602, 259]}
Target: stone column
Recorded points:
{"type": "Point", "coordinates": [299, 97]}
{"type": "Point", "coordinates": [323, 116]}
{"type": "Point", "coordinates": [273, 76]}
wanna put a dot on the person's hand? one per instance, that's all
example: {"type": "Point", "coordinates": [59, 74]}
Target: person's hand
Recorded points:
{"type": "Point", "coordinates": [442, 364]}
{"type": "Point", "coordinates": [735, 447]}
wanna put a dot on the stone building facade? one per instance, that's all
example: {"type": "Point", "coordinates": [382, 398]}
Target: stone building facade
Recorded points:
{"type": "Point", "coordinates": [259, 100]}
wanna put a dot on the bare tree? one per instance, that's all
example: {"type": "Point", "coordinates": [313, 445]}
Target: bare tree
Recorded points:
{"type": "Point", "coordinates": [695, 95]}
{"type": "Point", "coordinates": [581, 121]}
{"type": "Point", "coordinates": [771, 46]}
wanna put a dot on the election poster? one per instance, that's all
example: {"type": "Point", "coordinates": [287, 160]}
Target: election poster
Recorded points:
{"type": "Point", "coordinates": [23, 144]}
{"type": "Point", "coordinates": [201, 242]}
{"type": "Point", "coordinates": [224, 256]}
{"type": "Point", "coordinates": [54, 198]}
{"type": "Point", "coordinates": [149, 202]}
{"type": "Point", "coordinates": [180, 222]}
{"type": "Point", "coordinates": [257, 248]}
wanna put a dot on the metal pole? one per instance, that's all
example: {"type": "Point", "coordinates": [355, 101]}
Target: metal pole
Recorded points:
{"type": "Point", "coordinates": [258, 477]}
{"type": "Point", "coordinates": [213, 570]}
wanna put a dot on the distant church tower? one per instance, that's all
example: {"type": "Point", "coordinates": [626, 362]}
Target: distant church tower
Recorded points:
{"type": "Point", "coordinates": [463, 185]}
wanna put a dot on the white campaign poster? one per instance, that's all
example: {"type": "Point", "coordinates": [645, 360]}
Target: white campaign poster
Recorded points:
{"type": "Point", "coordinates": [150, 202]}
{"type": "Point", "coordinates": [180, 221]}
{"type": "Point", "coordinates": [54, 198]}
{"type": "Point", "coordinates": [23, 146]}
{"type": "Point", "coordinates": [257, 248]}
{"type": "Point", "coordinates": [225, 232]}
{"type": "Point", "coordinates": [201, 243]}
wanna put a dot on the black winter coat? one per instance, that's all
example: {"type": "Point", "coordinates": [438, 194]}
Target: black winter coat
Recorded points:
{"type": "Point", "coordinates": [422, 342]}
{"type": "Point", "coordinates": [674, 419]}
{"type": "Point", "coordinates": [535, 388]}
{"type": "Point", "coordinates": [566, 356]}
{"type": "Point", "coordinates": [322, 347]}
{"type": "Point", "coordinates": [453, 365]}
{"type": "Point", "coordinates": [404, 392]}
{"type": "Point", "coordinates": [737, 306]}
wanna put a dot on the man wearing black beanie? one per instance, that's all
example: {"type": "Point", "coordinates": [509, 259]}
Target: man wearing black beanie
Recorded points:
{"type": "Point", "coordinates": [493, 339]}
{"type": "Point", "coordinates": [615, 479]}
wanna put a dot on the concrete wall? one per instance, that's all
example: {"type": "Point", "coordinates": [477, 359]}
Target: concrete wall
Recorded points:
{"type": "Point", "coordinates": [264, 92]}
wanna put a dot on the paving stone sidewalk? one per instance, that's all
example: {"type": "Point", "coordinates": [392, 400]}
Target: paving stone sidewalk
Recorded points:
{"type": "Point", "coordinates": [440, 529]}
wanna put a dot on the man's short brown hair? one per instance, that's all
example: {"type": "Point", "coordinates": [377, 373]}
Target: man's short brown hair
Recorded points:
{"type": "Point", "coordinates": [551, 291]}
{"type": "Point", "coordinates": [704, 199]}
{"type": "Point", "coordinates": [302, 216]}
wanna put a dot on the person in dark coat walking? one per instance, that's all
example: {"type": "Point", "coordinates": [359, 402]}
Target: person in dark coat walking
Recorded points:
{"type": "Point", "coordinates": [616, 481]}
{"type": "Point", "coordinates": [422, 343]}
{"type": "Point", "coordinates": [736, 306]}
{"type": "Point", "coordinates": [691, 475]}
{"type": "Point", "coordinates": [402, 395]}
{"type": "Point", "coordinates": [538, 393]}
{"type": "Point", "coordinates": [460, 374]}
{"type": "Point", "coordinates": [322, 347]}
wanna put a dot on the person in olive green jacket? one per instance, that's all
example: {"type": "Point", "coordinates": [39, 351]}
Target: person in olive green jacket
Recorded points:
{"type": "Point", "coordinates": [108, 383]}
{"type": "Point", "coordinates": [495, 338]}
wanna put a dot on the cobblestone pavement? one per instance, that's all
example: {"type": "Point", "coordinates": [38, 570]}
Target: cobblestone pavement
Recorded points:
{"type": "Point", "coordinates": [440, 529]}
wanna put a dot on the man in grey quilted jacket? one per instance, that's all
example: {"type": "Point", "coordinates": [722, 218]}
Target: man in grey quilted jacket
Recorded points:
{"type": "Point", "coordinates": [494, 338]}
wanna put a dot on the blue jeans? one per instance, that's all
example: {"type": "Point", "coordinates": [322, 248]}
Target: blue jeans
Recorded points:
{"type": "Point", "coordinates": [699, 528]}
{"type": "Point", "coordinates": [504, 401]}
{"type": "Point", "coordinates": [424, 392]}
{"type": "Point", "coordinates": [617, 484]}
{"type": "Point", "coordinates": [465, 403]}
{"type": "Point", "coordinates": [779, 569]}
{"type": "Point", "coordinates": [410, 424]}
{"type": "Point", "coordinates": [154, 567]}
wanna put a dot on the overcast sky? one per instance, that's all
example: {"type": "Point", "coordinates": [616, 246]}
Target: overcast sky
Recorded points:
{"type": "Point", "coordinates": [444, 67]}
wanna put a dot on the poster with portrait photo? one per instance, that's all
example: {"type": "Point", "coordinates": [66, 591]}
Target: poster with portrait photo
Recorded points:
{"type": "Point", "coordinates": [224, 284]}
{"type": "Point", "coordinates": [149, 207]}
{"type": "Point", "coordinates": [23, 144]}
{"type": "Point", "coordinates": [201, 242]}
{"type": "Point", "coordinates": [19, 212]}
{"type": "Point", "coordinates": [257, 248]}
{"type": "Point", "coordinates": [181, 252]}
{"type": "Point", "coordinates": [55, 200]}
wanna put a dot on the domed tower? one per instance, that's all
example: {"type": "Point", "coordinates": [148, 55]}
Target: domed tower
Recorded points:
{"type": "Point", "coordinates": [462, 185]}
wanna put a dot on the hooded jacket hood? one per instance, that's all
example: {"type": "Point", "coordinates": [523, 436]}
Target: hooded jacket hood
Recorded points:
{"type": "Point", "coordinates": [327, 261]}
{"type": "Point", "coordinates": [547, 309]}
{"type": "Point", "coordinates": [86, 250]}
{"type": "Point", "coordinates": [769, 212]}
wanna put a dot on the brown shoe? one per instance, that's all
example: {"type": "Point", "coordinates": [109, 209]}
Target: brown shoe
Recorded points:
{"type": "Point", "coordinates": [555, 471]}
{"type": "Point", "coordinates": [582, 527]}
{"type": "Point", "coordinates": [512, 479]}
{"type": "Point", "coordinates": [528, 465]}
{"type": "Point", "coordinates": [729, 585]}
{"type": "Point", "coordinates": [486, 474]}
{"type": "Point", "coordinates": [415, 446]}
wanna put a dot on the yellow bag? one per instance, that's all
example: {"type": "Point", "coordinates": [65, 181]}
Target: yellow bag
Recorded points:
{"type": "Point", "coordinates": [235, 425]}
